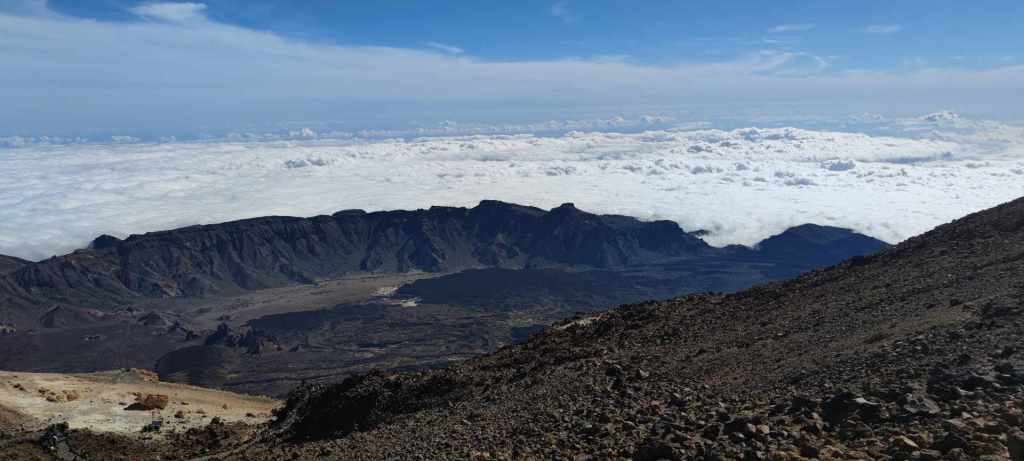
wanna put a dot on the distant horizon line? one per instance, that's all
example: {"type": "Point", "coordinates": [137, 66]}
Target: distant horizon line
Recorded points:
{"type": "Point", "coordinates": [551, 127]}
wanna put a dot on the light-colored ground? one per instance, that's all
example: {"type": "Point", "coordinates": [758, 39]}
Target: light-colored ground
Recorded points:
{"type": "Point", "coordinates": [325, 294]}
{"type": "Point", "coordinates": [97, 401]}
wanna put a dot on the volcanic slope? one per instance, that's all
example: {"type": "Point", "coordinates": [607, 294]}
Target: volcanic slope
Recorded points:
{"type": "Point", "coordinates": [229, 258]}
{"type": "Point", "coordinates": [10, 264]}
{"type": "Point", "coordinates": [317, 299]}
{"type": "Point", "coordinates": [913, 353]}
{"type": "Point", "coordinates": [233, 257]}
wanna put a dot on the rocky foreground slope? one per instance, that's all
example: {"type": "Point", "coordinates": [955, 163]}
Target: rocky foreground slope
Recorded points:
{"type": "Point", "coordinates": [914, 353]}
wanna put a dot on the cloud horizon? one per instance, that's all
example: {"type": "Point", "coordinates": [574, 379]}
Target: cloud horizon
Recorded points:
{"type": "Point", "coordinates": [174, 69]}
{"type": "Point", "coordinates": [742, 185]}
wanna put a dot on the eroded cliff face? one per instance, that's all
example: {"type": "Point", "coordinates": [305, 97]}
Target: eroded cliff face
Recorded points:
{"type": "Point", "coordinates": [252, 254]}
{"type": "Point", "coordinates": [273, 251]}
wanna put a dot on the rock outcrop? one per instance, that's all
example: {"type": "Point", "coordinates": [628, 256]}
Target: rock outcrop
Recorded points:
{"type": "Point", "coordinates": [149, 402]}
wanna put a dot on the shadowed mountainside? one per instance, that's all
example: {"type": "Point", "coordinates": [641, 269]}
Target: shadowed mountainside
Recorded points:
{"type": "Point", "coordinates": [912, 353]}
{"type": "Point", "coordinates": [229, 258]}
{"type": "Point", "coordinates": [816, 245]}
{"type": "Point", "coordinates": [273, 251]}
{"type": "Point", "coordinates": [10, 264]}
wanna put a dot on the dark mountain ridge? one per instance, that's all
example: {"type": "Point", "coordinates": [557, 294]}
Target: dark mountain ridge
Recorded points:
{"type": "Point", "coordinates": [10, 264]}
{"type": "Point", "coordinates": [816, 245]}
{"type": "Point", "coordinates": [227, 258]}
{"type": "Point", "coordinates": [910, 353]}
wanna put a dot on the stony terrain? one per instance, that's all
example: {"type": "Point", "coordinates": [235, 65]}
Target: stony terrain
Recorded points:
{"type": "Point", "coordinates": [914, 353]}
{"type": "Point", "coordinates": [103, 402]}
{"type": "Point", "coordinates": [120, 404]}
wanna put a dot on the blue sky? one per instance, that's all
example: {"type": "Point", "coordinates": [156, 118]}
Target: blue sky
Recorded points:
{"type": "Point", "coordinates": [73, 67]}
{"type": "Point", "coordinates": [657, 32]}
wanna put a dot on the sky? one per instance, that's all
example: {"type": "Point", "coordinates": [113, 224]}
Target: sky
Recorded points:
{"type": "Point", "coordinates": [100, 68]}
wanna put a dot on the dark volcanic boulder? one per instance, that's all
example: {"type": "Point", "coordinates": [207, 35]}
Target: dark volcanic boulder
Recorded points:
{"type": "Point", "coordinates": [149, 402]}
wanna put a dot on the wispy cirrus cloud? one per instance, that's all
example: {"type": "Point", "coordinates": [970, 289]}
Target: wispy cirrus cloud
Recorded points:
{"type": "Point", "coordinates": [176, 70]}
{"type": "Point", "coordinates": [173, 12]}
{"type": "Point", "coordinates": [882, 29]}
{"type": "Point", "coordinates": [784, 28]}
{"type": "Point", "coordinates": [450, 49]}
{"type": "Point", "coordinates": [560, 10]}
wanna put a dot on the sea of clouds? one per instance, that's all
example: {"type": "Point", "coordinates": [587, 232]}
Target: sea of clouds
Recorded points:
{"type": "Point", "coordinates": [892, 181]}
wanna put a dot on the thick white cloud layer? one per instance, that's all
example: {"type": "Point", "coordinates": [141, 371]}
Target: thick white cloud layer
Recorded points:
{"type": "Point", "coordinates": [742, 184]}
